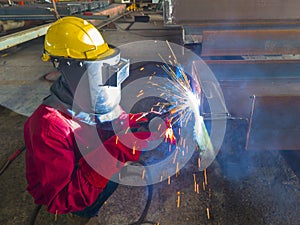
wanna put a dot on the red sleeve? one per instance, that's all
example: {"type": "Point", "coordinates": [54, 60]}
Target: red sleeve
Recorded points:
{"type": "Point", "coordinates": [109, 158]}
{"type": "Point", "coordinates": [51, 172]}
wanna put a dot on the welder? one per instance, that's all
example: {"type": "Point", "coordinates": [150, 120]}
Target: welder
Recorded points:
{"type": "Point", "coordinates": [63, 159]}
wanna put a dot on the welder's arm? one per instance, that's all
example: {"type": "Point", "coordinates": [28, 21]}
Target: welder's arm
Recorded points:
{"type": "Point", "coordinates": [51, 174]}
{"type": "Point", "coordinates": [126, 145]}
{"type": "Point", "coordinates": [100, 165]}
{"type": "Point", "coordinates": [137, 120]}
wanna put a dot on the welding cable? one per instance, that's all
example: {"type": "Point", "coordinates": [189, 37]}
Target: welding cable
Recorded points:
{"type": "Point", "coordinates": [11, 158]}
{"type": "Point", "coordinates": [35, 214]}
{"type": "Point", "coordinates": [143, 216]}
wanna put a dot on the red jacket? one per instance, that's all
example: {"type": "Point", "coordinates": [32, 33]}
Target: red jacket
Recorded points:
{"type": "Point", "coordinates": [56, 173]}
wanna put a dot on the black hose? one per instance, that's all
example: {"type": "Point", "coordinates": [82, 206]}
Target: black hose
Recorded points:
{"type": "Point", "coordinates": [142, 218]}
{"type": "Point", "coordinates": [35, 214]}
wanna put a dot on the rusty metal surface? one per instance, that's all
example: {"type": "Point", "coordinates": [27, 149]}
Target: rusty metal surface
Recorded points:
{"type": "Point", "coordinates": [250, 42]}
{"type": "Point", "coordinates": [237, 92]}
{"type": "Point", "coordinates": [274, 123]}
{"type": "Point", "coordinates": [240, 79]}
{"type": "Point", "coordinates": [186, 12]}
{"type": "Point", "coordinates": [254, 69]}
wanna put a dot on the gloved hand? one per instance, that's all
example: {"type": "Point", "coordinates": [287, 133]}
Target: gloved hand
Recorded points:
{"type": "Point", "coordinates": [122, 124]}
{"type": "Point", "coordinates": [100, 165]}
{"type": "Point", "coordinates": [136, 122]}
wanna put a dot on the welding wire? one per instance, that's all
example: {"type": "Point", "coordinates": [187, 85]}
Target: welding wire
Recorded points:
{"type": "Point", "coordinates": [207, 213]}
{"type": "Point", "coordinates": [178, 199]}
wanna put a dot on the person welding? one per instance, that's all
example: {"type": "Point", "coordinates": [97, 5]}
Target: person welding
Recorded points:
{"type": "Point", "coordinates": [67, 168]}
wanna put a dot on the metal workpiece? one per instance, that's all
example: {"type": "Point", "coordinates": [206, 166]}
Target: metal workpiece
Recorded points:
{"type": "Point", "coordinates": [274, 120]}
{"type": "Point", "coordinates": [250, 42]}
{"type": "Point", "coordinates": [22, 18]}
{"type": "Point", "coordinates": [187, 12]}
{"type": "Point", "coordinates": [63, 8]}
{"type": "Point", "coordinates": [30, 24]}
{"type": "Point", "coordinates": [14, 39]}
{"type": "Point", "coordinates": [196, 16]}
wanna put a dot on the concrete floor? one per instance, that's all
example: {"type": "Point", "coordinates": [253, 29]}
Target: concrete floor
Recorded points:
{"type": "Point", "coordinates": [244, 187]}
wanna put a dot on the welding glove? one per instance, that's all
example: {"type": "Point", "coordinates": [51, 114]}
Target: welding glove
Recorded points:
{"type": "Point", "coordinates": [137, 122]}
{"type": "Point", "coordinates": [100, 165]}
{"type": "Point", "coordinates": [120, 146]}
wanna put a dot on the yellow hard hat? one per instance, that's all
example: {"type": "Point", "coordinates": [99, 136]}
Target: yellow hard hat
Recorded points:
{"type": "Point", "coordinates": [73, 37]}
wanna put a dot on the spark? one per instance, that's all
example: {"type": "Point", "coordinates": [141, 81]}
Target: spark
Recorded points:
{"type": "Point", "coordinates": [207, 213]}
{"type": "Point", "coordinates": [205, 177]}
{"type": "Point", "coordinates": [178, 199]}
{"type": "Point", "coordinates": [195, 182]}
{"type": "Point", "coordinates": [177, 169]}
{"type": "Point", "coordinates": [198, 189]}
{"type": "Point", "coordinates": [184, 102]}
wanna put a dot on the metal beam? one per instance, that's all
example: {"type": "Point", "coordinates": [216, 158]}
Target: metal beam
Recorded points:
{"type": "Point", "coordinates": [250, 42]}
{"type": "Point", "coordinates": [14, 39]}
{"type": "Point", "coordinates": [274, 123]}
{"type": "Point", "coordinates": [50, 17]}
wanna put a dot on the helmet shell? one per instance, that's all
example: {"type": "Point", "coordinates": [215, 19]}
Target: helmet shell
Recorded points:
{"type": "Point", "coordinates": [73, 37]}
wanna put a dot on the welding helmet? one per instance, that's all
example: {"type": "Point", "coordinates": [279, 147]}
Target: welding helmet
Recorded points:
{"type": "Point", "coordinates": [78, 50]}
